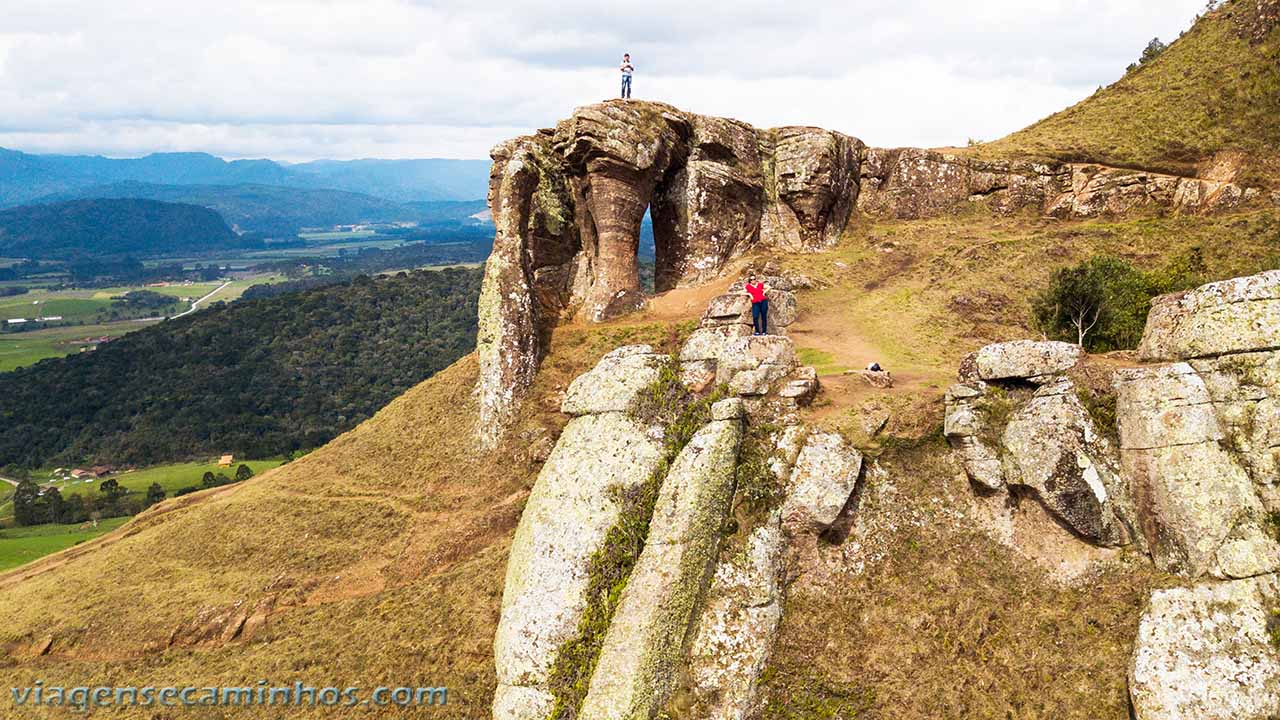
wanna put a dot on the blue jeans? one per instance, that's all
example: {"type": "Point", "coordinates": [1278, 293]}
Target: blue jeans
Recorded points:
{"type": "Point", "coordinates": [760, 317]}
{"type": "Point", "coordinates": [626, 86]}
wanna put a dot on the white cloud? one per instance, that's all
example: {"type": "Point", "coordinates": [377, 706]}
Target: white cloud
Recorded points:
{"type": "Point", "coordinates": [293, 79]}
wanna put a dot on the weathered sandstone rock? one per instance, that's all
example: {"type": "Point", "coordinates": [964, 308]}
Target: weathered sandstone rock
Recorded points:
{"type": "Point", "coordinates": [737, 628]}
{"type": "Point", "coordinates": [615, 381]}
{"type": "Point", "coordinates": [1239, 315]}
{"type": "Point", "coordinates": [567, 204]}
{"type": "Point", "coordinates": [812, 189]}
{"type": "Point", "coordinates": [963, 426]}
{"type": "Point", "coordinates": [1206, 652]}
{"type": "Point", "coordinates": [1197, 507]}
{"type": "Point", "coordinates": [826, 473]}
{"type": "Point", "coordinates": [569, 512]}
{"type": "Point", "coordinates": [1051, 448]}
{"type": "Point", "coordinates": [769, 357]}
{"type": "Point", "coordinates": [650, 632]}
{"type": "Point", "coordinates": [1025, 359]}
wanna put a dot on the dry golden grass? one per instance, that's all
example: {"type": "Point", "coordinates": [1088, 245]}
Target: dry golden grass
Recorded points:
{"type": "Point", "coordinates": [1211, 91]}
{"type": "Point", "coordinates": [927, 617]}
{"type": "Point", "coordinates": [386, 549]}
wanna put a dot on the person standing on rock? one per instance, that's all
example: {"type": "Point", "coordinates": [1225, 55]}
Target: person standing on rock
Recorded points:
{"type": "Point", "coordinates": [626, 69]}
{"type": "Point", "coordinates": [758, 292]}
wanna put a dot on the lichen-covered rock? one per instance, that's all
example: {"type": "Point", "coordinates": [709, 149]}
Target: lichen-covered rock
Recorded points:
{"type": "Point", "coordinates": [1197, 507]}
{"type": "Point", "coordinates": [1246, 399]}
{"type": "Point", "coordinates": [826, 473]}
{"type": "Point", "coordinates": [650, 632]}
{"type": "Point", "coordinates": [1025, 359]}
{"type": "Point", "coordinates": [737, 628]}
{"type": "Point", "coordinates": [963, 426]}
{"type": "Point", "coordinates": [1238, 315]}
{"type": "Point", "coordinates": [773, 355]}
{"type": "Point", "coordinates": [613, 384]}
{"type": "Point", "coordinates": [728, 409]}
{"type": "Point", "coordinates": [812, 189]}
{"type": "Point", "coordinates": [1051, 448]}
{"type": "Point", "coordinates": [1206, 652]}
{"type": "Point", "coordinates": [706, 343]}
{"type": "Point", "coordinates": [728, 309]}
{"type": "Point", "coordinates": [708, 211]}
{"type": "Point", "coordinates": [570, 510]}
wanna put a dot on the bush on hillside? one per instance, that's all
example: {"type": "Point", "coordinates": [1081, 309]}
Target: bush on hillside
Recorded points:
{"type": "Point", "coordinates": [1101, 304]}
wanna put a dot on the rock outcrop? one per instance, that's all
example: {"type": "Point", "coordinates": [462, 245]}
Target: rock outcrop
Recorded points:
{"type": "Point", "coordinates": [1016, 422]}
{"type": "Point", "coordinates": [567, 205]}
{"type": "Point", "coordinates": [911, 183]}
{"type": "Point", "coordinates": [649, 636]}
{"type": "Point", "coordinates": [573, 505]}
{"type": "Point", "coordinates": [1208, 652]}
{"type": "Point", "coordinates": [1232, 316]}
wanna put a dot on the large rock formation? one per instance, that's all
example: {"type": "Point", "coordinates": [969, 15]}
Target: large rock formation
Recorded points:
{"type": "Point", "coordinates": [1208, 652]}
{"type": "Point", "coordinates": [650, 632]}
{"type": "Point", "coordinates": [1016, 421]}
{"type": "Point", "coordinates": [912, 183]}
{"type": "Point", "coordinates": [568, 202]}
{"type": "Point", "coordinates": [573, 505]}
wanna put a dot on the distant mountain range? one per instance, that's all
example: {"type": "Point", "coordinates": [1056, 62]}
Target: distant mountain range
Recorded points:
{"type": "Point", "coordinates": [25, 178]}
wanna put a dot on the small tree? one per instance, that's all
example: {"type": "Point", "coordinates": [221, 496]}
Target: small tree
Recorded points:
{"type": "Point", "coordinates": [244, 472]}
{"type": "Point", "coordinates": [208, 480]}
{"type": "Point", "coordinates": [155, 494]}
{"type": "Point", "coordinates": [26, 500]}
{"type": "Point", "coordinates": [1152, 51]}
{"type": "Point", "coordinates": [1100, 304]}
{"type": "Point", "coordinates": [111, 490]}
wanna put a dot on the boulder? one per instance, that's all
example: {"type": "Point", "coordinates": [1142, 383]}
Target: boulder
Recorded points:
{"type": "Point", "coordinates": [882, 379]}
{"type": "Point", "coordinates": [1025, 359]}
{"type": "Point", "coordinates": [826, 473]}
{"type": "Point", "coordinates": [1051, 448]}
{"type": "Point", "coordinates": [615, 381]}
{"type": "Point", "coordinates": [1246, 399]}
{"type": "Point", "coordinates": [750, 383]}
{"type": "Point", "coordinates": [1239, 315]}
{"type": "Point", "coordinates": [650, 633]}
{"type": "Point", "coordinates": [1207, 652]}
{"type": "Point", "coordinates": [964, 426]}
{"type": "Point", "coordinates": [773, 354]}
{"type": "Point", "coordinates": [736, 631]}
{"type": "Point", "coordinates": [569, 512]}
{"type": "Point", "coordinates": [706, 343]}
{"type": "Point", "coordinates": [729, 409]}
{"type": "Point", "coordinates": [1196, 505]}
{"type": "Point", "coordinates": [728, 309]}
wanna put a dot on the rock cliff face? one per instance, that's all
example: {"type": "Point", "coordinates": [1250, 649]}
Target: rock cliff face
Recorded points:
{"type": "Point", "coordinates": [911, 183]}
{"type": "Point", "coordinates": [567, 204]}
{"type": "Point", "coordinates": [1194, 482]}
{"type": "Point", "coordinates": [688, 615]}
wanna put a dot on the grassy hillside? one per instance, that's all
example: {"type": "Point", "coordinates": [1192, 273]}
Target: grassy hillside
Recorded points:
{"type": "Point", "coordinates": [1215, 90]}
{"type": "Point", "coordinates": [384, 551]}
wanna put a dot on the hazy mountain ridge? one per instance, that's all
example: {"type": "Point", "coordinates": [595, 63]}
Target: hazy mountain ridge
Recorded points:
{"type": "Point", "coordinates": [26, 177]}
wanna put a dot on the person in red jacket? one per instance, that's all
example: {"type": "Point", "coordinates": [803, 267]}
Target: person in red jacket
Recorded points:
{"type": "Point", "coordinates": [759, 294]}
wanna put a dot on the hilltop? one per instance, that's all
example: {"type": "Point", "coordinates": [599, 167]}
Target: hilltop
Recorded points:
{"type": "Point", "coordinates": [1206, 106]}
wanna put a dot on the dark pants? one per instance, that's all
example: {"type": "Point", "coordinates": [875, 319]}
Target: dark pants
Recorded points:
{"type": "Point", "coordinates": [760, 317]}
{"type": "Point", "coordinates": [626, 86]}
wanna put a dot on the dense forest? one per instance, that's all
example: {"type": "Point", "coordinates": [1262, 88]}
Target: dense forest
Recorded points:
{"type": "Point", "coordinates": [256, 378]}
{"type": "Point", "coordinates": [113, 227]}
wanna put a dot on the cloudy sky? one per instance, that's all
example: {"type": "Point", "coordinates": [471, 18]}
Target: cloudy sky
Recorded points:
{"type": "Point", "coordinates": [297, 80]}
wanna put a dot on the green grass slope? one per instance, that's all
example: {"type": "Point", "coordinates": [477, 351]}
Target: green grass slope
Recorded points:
{"type": "Point", "coordinates": [1214, 90]}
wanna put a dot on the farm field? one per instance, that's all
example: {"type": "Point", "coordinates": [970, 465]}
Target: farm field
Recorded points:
{"type": "Point", "coordinates": [86, 305]}
{"type": "Point", "coordinates": [171, 477]}
{"type": "Point", "coordinates": [19, 546]}
{"type": "Point", "coordinates": [23, 349]}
